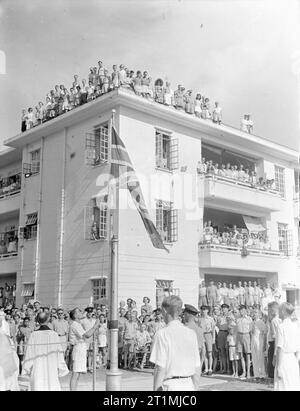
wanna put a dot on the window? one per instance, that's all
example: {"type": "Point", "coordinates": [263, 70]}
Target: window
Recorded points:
{"type": "Point", "coordinates": [164, 288]}
{"type": "Point", "coordinates": [96, 145]}
{"type": "Point", "coordinates": [285, 239]}
{"type": "Point", "coordinates": [29, 232]}
{"type": "Point", "coordinates": [279, 180]}
{"type": "Point", "coordinates": [27, 292]}
{"type": "Point", "coordinates": [99, 289]}
{"type": "Point", "coordinates": [167, 221]}
{"type": "Point", "coordinates": [166, 151]}
{"type": "Point", "coordinates": [95, 219]}
{"type": "Point", "coordinates": [35, 163]}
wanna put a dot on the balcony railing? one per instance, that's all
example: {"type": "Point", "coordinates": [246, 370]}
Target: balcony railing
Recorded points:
{"type": "Point", "coordinates": [241, 183]}
{"type": "Point", "coordinates": [10, 186]}
{"type": "Point", "coordinates": [251, 250]}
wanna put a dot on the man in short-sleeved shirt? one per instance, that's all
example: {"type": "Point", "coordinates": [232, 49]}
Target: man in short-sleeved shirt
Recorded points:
{"type": "Point", "coordinates": [175, 351]}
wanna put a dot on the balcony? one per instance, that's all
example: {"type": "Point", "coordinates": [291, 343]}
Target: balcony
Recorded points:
{"type": "Point", "coordinates": [10, 188]}
{"type": "Point", "coordinates": [239, 196]}
{"type": "Point", "coordinates": [232, 258]}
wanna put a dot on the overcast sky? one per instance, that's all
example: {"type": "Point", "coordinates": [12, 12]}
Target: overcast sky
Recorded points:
{"type": "Point", "coordinates": [245, 54]}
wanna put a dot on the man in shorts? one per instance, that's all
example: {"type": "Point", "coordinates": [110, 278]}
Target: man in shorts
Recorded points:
{"type": "Point", "coordinates": [130, 332]}
{"type": "Point", "coordinates": [208, 325]}
{"type": "Point", "coordinates": [243, 341]}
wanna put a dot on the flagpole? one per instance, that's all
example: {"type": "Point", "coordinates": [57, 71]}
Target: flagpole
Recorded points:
{"type": "Point", "coordinates": [113, 374]}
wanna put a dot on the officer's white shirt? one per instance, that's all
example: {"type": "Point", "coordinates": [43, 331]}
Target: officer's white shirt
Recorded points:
{"type": "Point", "coordinates": [175, 349]}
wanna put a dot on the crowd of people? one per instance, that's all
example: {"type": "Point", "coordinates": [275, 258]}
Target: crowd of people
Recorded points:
{"type": "Point", "coordinates": [235, 327]}
{"type": "Point", "coordinates": [235, 172]}
{"type": "Point", "coordinates": [234, 237]}
{"type": "Point", "coordinates": [10, 184]}
{"type": "Point", "coordinates": [100, 81]}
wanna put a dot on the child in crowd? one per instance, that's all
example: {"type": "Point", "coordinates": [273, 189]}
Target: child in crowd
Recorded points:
{"type": "Point", "coordinates": [233, 355]}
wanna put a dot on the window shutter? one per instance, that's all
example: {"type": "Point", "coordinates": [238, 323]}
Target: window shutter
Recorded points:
{"type": "Point", "coordinates": [174, 225]}
{"type": "Point", "coordinates": [103, 144]}
{"type": "Point", "coordinates": [159, 149]}
{"type": "Point", "coordinates": [174, 154]}
{"type": "Point", "coordinates": [90, 149]}
{"type": "Point", "coordinates": [289, 237]}
{"type": "Point", "coordinates": [159, 217]}
{"type": "Point", "coordinates": [88, 220]}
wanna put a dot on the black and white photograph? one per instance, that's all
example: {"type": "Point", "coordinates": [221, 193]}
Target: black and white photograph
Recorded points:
{"type": "Point", "coordinates": [149, 198]}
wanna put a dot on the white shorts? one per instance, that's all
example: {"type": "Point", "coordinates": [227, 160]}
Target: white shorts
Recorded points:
{"type": "Point", "coordinates": [179, 384]}
{"type": "Point", "coordinates": [79, 356]}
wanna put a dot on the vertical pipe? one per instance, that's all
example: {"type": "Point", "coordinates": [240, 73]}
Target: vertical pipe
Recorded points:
{"type": "Point", "coordinates": [62, 225]}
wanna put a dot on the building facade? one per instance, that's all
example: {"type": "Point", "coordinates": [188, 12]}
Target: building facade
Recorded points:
{"type": "Point", "coordinates": [62, 206]}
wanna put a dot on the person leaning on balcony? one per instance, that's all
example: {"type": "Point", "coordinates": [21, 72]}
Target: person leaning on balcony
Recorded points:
{"type": "Point", "coordinates": [3, 247]}
{"type": "Point", "coordinates": [228, 171]}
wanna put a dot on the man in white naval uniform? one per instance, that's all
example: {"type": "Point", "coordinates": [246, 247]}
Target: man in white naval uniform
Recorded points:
{"type": "Point", "coordinates": [175, 351]}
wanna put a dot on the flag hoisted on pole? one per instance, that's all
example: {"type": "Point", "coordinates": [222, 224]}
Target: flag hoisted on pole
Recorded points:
{"type": "Point", "coordinates": [120, 157]}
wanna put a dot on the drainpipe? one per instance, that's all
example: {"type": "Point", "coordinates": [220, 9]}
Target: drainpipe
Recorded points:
{"type": "Point", "coordinates": [37, 253]}
{"type": "Point", "coordinates": [62, 225]}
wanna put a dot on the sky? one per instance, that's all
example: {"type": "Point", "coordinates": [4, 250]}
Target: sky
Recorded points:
{"type": "Point", "coordinates": [243, 53]}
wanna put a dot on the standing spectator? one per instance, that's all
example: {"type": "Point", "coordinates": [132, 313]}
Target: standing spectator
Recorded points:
{"type": "Point", "coordinates": [77, 337]}
{"type": "Point", "coordinates": [258, 345]}
{"type": "Point", "coordinates": [273, 325]}
{"type": "Point", "coordinates": [8, 363]}
{"type": "Point", "coordinates": [23, 335]}
{"type": "Point", "coordinates": [244, 124]}
{"type": "Point", "coordinates": [250, 124]}
{"type": "Point", "coordinates": [175, 352]}
{"type": "Point", "coordinates": [217, 114]}
{"type": "Point", "coordinates": [197, 105]}
{"type": "Point", "coordinates": [61, 326]}
{"type": "Point", "coordinates": [130, 331]}
{"type": "Point", "coordinates": [115, 77]}
{"type": "Point", "coordinates": [29, 119]}
{"type": "Point", "coordinates": [202, 294]}
{"type": "Point", "coordinates": [189, 317]}
{"type": "Point", "coordinates": [44, 361]}
{"type": "Point", "coordinates": [222, 323]}
{"type": "Point", "coordinates": [146, 306]}
{"type": "Point", "coordinates": [102, 339]}
{"type": "Point", "coordinates": [211, 290]}
{"type": "Point", "coordinates": [168, 95]}
{"type": "Point", "coordinates": [23, 121]}
{"type": "Point", "coordinates": [287, 376]}
{"type": "Point", "coordinates": [88, 323]}
{"type": "Point", "coordinates": [208, 325]}
{"type": "Point", "coordinates": [233, 355]}
{"type": "Point", "coordinates": [244, 326]}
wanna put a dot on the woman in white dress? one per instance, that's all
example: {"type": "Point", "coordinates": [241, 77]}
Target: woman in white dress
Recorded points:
{"type": "Point", "coordinates": [77, 337]}
{"type": "Point", "coordinates": [258, 345]}
{"type": "Point", "coordinates": [287, 371]}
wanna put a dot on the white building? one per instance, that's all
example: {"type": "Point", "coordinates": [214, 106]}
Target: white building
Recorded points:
{"type": "Point", "coordinates": [65, 162]}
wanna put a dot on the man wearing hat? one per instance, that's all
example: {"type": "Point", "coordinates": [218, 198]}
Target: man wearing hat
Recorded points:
{"type": "Point", "coordinates": [243, 341]}
{"type": "Point", "coordinates": [208, 325]}
{"type": "Point", "coordinates": [87, 324]}
{"type": "Point", "coordinates": [189, 317]}
{"type": "Point", "coordinates": [175, 351]}
{"type": "Point", "coordinates": [222, 323]}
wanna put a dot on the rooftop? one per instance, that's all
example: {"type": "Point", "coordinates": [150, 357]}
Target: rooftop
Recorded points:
{"type": "Point", "coordinates": [220, 135]}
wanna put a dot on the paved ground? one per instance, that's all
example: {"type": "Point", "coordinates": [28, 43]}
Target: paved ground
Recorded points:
{"type": "Point", "coordinates": [142, 381]}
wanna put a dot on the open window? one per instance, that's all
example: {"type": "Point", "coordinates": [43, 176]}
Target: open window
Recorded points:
{"type": "Point", "coordinates": [97, 145]}
{"type": "Point", "coordinates": [29, 231]}
{"type": "Point", "coordinates": [166, 151]}
{"type": "Point", "coordinates": [167, 221]}
{"type": "Point", "coordinates": [35, 164]}
{"type": "Point", "coordinates": [95, 219]}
